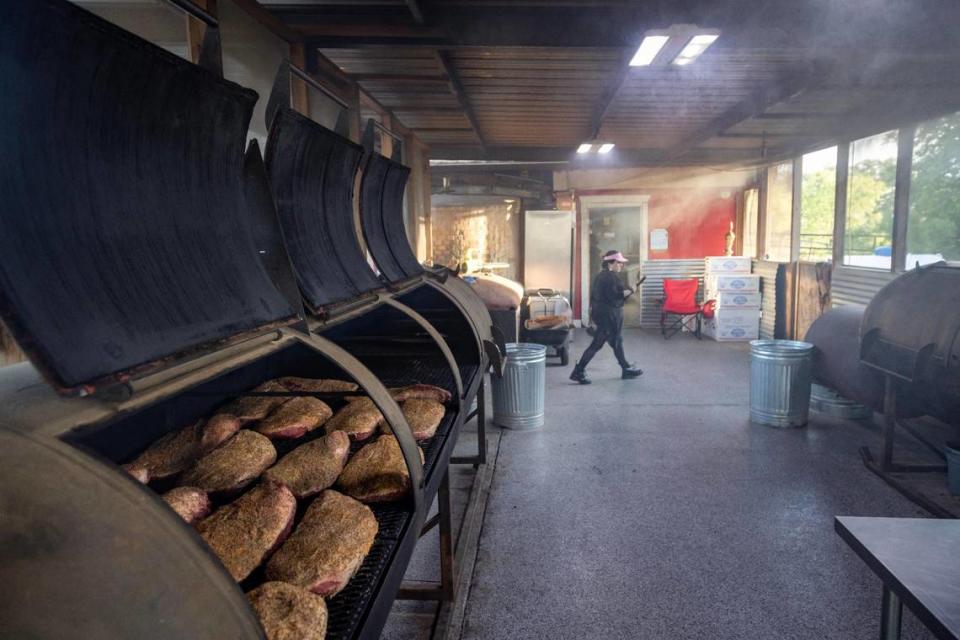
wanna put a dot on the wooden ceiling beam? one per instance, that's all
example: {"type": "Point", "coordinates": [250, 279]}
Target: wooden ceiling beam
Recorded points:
{"type": "Point", "coordinates": [762, 99]}
{"type": "Point", "coordinates": [397, 77]}
{"type": "Point", "coordinates": [456, 87]}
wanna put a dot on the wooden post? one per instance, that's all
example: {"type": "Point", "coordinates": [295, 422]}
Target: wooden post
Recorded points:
{"type": "Point", "coordinates": [299, 96]}
{"type": "Point", "coordinates": [901, 199]}
{"type": "Point", "coordinates": [762, 190]}
{"type": "Point", "coordinates": [840, 202]}
{"type": "Point", "coordinates": [197, 30]}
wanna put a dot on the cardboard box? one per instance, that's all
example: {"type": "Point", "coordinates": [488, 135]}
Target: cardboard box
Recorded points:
{"type": "Point", "coordinates": [733, 282]}
{"type": "Point", "coordinates": [733, 325]}
{"type": "Point", "coordinates": [737, 300]}
{"type": "Point", "coordinates": [727, 264]}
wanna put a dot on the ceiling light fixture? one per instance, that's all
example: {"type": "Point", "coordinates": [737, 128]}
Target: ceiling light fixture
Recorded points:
{"type": "Point", "coordinates": [606, 148]}
{"type": "Point", "coordinates": [695, 48]}
{"type": "Point", "coordinates": [648, 50]}
{"type": "Point", "coordinates": [586, 147]}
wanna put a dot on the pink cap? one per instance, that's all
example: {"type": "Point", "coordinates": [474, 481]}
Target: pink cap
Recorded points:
{"type": "Point", "coordinates": [615, 257]}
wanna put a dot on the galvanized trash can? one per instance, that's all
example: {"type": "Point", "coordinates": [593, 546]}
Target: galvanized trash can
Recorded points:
{"type": "Point", "coordinates": [518, 397]}
{"type": "Point", "coordinates": [780, 372]}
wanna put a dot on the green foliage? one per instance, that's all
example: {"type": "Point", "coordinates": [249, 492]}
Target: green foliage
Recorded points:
{"type": "Point", "coordinates": [934, 223]}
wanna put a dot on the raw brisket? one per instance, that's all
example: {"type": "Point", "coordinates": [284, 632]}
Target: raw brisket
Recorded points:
{"type": "Point", "coordinates": [234, 465]}
{"type": "Point", "coordinates": [295, 418]}
{"type": "Point", "coordinates": [312, 467]}
{"type": "Point", "coordinates": [377, 473]}
{"type": "Point", "coordinates": [328, 546]}
{"type": "Point", "coordinates": [250, 408]}
{"type": "Point", "coordinates": [317, 385]}
{"type": "Point", "coordinates": [176, 451]}
{"type": "Point", "coordinates": [244, 532]}
{"type": "Point", "coordinates": [190, 503]}
{"type": "Point", "coordinates": [287, 612]}
{"type": "Point", "coordinates": [423, 416]}
{"type": "Point", "coordinates": [421, 391]}
{"type": "Point", "coordinates": [358, 419]}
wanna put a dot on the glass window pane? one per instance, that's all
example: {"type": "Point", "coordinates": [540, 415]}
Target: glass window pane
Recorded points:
{"type": "Point", "coordinates": [817, 203]}
{"type": "Point", "coordinates": [933, 231]}
{"type": "Point", "coordinates": [153, 20]}
{"type": "Point", "coordinates": [870, 190]}
{"type": "Point", "coordinates": [779, 212]}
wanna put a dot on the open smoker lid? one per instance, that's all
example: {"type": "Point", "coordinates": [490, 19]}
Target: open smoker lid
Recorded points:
{"type": "Point", "coordinates": [381, 214]}
{"type": "Point", "coordinates": [312, 171]}
{"type": "Point", "coordinates": [126, 236]}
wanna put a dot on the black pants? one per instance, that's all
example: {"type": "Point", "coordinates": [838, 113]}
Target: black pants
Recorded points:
{"type": "Point", "coordinates": [609, 328]}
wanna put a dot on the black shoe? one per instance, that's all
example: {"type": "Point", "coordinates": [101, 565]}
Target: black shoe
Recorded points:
{"type": "Point", "coordinates": [580, 376]}
{"type": "Point", "coordinates": [631, 372]}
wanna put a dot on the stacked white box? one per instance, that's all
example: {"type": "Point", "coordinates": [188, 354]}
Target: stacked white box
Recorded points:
{"type": "Point", "coordinates": [737, 299]}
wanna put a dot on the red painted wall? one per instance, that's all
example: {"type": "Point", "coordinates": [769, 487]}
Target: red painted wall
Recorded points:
{"type": "Point", "coordinates": [696, 222]}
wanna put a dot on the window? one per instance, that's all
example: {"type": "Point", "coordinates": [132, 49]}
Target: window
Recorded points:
{"type": "Point", "coordinates": [870, 191]}
{"type": "Point", "coordinates": [933, 231]}
{"type": "Point", "coordinates": [153, 20]}
{"type": "Point", "coordinates": [751, 201]}
{"type": "Point", "coordinates": [779, 212]}
{"type": "Point", "coordinates": [817, 203]}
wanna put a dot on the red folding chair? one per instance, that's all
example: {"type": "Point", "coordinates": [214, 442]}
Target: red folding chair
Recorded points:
{"type": "Point", "coordinates": [680, 302]}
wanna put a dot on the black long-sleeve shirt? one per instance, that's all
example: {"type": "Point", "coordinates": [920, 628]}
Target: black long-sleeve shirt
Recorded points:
{"type": "Point", "coordinates": [607, 291]}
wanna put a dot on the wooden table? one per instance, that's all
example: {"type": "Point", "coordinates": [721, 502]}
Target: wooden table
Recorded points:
{"type": "Point", "coordinates": [918, 560]}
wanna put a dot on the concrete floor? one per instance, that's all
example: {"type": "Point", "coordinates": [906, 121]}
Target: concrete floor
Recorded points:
{"type": "Point", "coordinates": [654, 509]}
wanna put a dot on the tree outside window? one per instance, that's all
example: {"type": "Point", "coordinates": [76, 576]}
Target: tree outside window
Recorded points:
{"type": "Point", "coordinates": [817, 204]}
{"type": "Point", "coordinates": [933, 231]}
{"type": "Point", "coordinates": [868, 241]}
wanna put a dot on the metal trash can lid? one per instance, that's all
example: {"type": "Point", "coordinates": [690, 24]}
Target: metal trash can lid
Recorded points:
{"type": "Point", "coordinates": [518, 352]}
{"type": "Point", "coordinates": [781, 348]}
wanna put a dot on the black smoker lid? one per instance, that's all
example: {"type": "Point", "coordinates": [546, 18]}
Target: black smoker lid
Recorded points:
{"type": "Point", "coordinates": [381, 213]}
{"type": "Point", "coordinates": [312, 171]}
{"type": "Point", "coordinates": [126, 238]}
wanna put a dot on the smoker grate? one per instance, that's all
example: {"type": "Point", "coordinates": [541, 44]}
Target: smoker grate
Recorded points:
{"type": "Point", "coordinates": [346, 610]}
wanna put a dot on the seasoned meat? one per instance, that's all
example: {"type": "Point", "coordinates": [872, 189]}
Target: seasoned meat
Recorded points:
{"type": "Point", "coordinates": [234, 465]}
{"type": "Point", "coordinates": [190, 503]}
{"type": "Point", "coordinates": [377, 473]}
{"type": "Point", "coordinates": [421, 391]}
{"type": "Point", "coordinates": [218, 430]}
{"type": "Point", "coordinates": [176, 451]}
{"type": "Point", "coordinates": [317, 385]}
{"type": "Point", "coordinates": [295, 418]}
{"type": "Point", "coordinates": [312, 467]}
{"type": "Point", "coordinates": [423, 416]}
{"type": "Point", "coordinates": [358, 419]}
{"type": "Point", "coordinates": [327, 547]}
{"type": "Point", "coordinates": [287, 612]}
{"type": "Point", "coordinates": [250, 408]}
{"type": "Point", "coordinates": [243, 533]}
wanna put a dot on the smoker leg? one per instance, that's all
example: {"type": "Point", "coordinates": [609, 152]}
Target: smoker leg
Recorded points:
{"type": "Point", "coordinates": [890, 615]}
{"type": "Point", "coordinates": [446, 590]}
{"type": "Point", "coordinates": [889, 423]}
{"type": "Point", "coordinates": [481, 415]}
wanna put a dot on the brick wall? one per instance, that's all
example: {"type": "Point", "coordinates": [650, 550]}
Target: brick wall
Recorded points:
{"type": "Point", "coordinates": [488, 232]}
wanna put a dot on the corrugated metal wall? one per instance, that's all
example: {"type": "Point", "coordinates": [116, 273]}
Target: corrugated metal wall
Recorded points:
{"type": "Point", "coordinates": [652, 290]}
{"type": "Point", "coordinates": [768, 287]}
{"type": "Point", "coordinates": [857, 286]}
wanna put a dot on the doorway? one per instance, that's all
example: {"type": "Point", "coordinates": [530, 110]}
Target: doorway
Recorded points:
{"type": "Point", "coordinates": [613, 222]}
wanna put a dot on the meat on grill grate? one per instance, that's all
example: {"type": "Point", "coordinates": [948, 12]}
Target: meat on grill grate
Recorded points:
{"type": "Point", "coordinates": [377, 473]}
{"type": "Point", "coordinates": [358, 419]}
{"type": "Point", "coordinates": [317, 385]}
{"type": "Point", "coordinates": [190, 503]}
{"type": "Point", "coordinates": [312, 467]}
{"type": "Point", "coordinates": [176, 451]}
{"type": "Point", "coordinates": [423, 416]}
{"type": "Point", "coordinates": [421, 391]}
{"type": "Point", "coordinates": [287, 612]}
{"type": "Point", "coordinates": [232, 466]}
{"type": "Point", "coordinates": [243, 533]}
{"type": "Point", "coordinates": [252, 408]}
{"type": "Point", "coordinates": [327, 547]}
{"type": "Point", "coordinates": [295, 418]}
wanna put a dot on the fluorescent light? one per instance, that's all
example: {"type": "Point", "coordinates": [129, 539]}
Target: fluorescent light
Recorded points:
{"type": "Point", "coordinates": [648, 50]}
{"type": "Point", "coordinates": [584, 148]}
{"type": "Point", "coordinates": [606, 148]}
{"type": "Point", "coordinates": [695, 48]}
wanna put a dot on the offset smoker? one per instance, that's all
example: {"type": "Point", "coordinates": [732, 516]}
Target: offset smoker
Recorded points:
{"type": "Point", "coordinates": [900, 355]}
{"type": "Point", "coordinates": [142, 267]}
